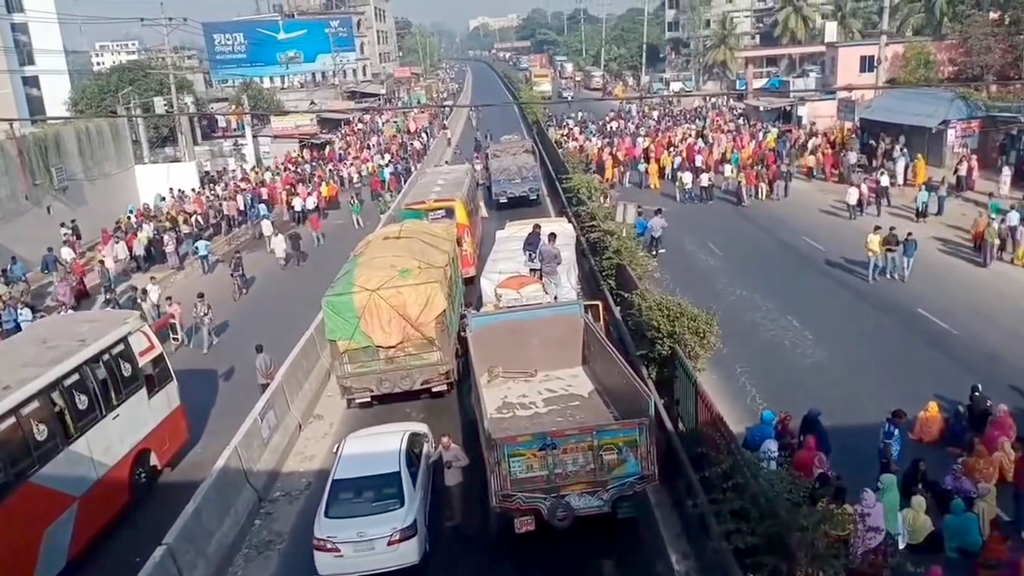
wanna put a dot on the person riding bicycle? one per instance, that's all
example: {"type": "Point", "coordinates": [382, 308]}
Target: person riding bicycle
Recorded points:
{"type": "Point", "coordinates": [237, 267]}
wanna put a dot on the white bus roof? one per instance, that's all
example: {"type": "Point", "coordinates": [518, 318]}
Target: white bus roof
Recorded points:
{"type": "Point", "coordinates": [50, 347]}
{"type": "Point", "coordinates": [506, 257]}
{"type": "Point", "coordinates": [441, 183]}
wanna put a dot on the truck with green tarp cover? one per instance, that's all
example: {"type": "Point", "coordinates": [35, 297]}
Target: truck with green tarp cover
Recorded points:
{"type": "Point", "coordinates": [565, 426]}
{"type": "Point", "coordinates": [392, 313]}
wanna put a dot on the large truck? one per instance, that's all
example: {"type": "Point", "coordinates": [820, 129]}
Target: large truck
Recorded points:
{"type": "Point", "coordinates": [540, 61]}
{"type": "Point", "coordinates": [593, 78]}
{"type": "Point", "coordinates": [505, 281]}
{"type": "Point", "coordinates": [392, 314]}
{"type": "Point", "coordinates": [565, 426]}
{"type": "Point", "coordinates": [542, 82]}
{"type": "Point", "coordinates": [513, 173]}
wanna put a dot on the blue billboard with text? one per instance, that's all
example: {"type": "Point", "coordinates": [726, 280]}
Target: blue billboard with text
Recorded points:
{"type": "Point", "coordinates": [241, 49]}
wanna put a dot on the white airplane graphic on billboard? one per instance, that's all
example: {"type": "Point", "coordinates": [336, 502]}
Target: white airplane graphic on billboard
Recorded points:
{"type": "Point", "coordinates": [281, 35]}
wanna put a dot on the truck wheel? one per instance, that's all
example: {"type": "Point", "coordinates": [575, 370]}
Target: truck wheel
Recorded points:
{"type": "Point", "coordinates": [561, 514]}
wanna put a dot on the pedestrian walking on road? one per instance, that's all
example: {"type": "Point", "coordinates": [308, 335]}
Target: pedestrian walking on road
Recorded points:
{"type": "Point", "coordinates": [454, 459]}
{"type": "Point", "coordinates": [989, 243]}
{"type": "Point", "coordinates": [202, 316]}
{"type": "Point", "coordinates": [655, 228]}
{"type": "Point", "coordinates": [873, 244]}
{"type": "Point", "coordinates": [265, 369]}
{"type": "Point", "coordinates": [891, 245]}
{"type": "Point", "coordinates": [316, 228]}
{"type": "Point", "coordinates": [940, 196]}
{"type": "Point", "coordinates": [852, 198]}
{"type": "Point", "coordinates": [202, 250]}
{"type": "Point", "coordinates": [357, 211]}
{"type": "Point", "coordinates": [280, 247]}
{"type": "Point", "coordinates": [267, 229]}
{"type": "Point", "coordinates": [909, 253]}
{"type": "Point", "coordinates": [921, 205]}
{"type": "Point", "coordinates": [884, 183]}
{"type": "Point", "coordinates": [295, 247]}
{"type": "Point", "coordinates": [1013, 226]}
{"type": "Point", "coordinates": [890, 443]}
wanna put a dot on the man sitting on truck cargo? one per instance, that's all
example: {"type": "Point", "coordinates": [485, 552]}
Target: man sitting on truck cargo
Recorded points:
{"type": "Point", "coordinates": [530, 247]}
{"type": "Point", "coordinates": [550, 258]}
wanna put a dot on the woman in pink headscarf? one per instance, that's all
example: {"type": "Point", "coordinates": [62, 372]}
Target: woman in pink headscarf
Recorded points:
{"type": "Point", "coordinates": [999, 427]}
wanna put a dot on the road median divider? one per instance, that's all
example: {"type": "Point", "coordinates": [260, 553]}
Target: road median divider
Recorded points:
{"type": "Point", "coordinates": [203, 538]}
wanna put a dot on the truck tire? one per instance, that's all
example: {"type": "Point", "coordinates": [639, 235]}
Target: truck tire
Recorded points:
{"type": "Point", "coordinates": [560, 514]}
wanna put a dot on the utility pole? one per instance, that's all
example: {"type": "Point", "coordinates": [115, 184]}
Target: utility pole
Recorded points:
{"type": "Point", "coordinates": [880, 64]}
{"type": "Point", "coordinates": [182, 130]}
{"type": "Point", "coordinates": [565, 23]}
{"type": "Point", "coordinates": [643, 47]}
{"type": "Point", "coordinates": [604, 29]}
{"type": "Point", "coordinates": [583, 26]}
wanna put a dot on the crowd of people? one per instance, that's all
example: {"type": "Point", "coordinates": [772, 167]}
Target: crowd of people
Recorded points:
{"type": "Point", "coordinates": [955, 515]}
{"type": "Point", "coordinates": [369, 158]}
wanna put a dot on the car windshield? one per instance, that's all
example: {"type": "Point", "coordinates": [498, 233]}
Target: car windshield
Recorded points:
{"type": "Point", "coordinates": [364, 496]}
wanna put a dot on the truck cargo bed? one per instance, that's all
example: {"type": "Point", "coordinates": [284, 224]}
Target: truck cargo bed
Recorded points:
{"type": "Point", "coordinates": [549, 400]}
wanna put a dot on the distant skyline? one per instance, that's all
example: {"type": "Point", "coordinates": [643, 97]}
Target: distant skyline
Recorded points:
{"type": "Point", "coordinates": [452, 13]}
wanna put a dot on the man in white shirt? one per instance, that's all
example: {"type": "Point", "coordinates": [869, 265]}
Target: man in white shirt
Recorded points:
{"type": "Point", "coordinates": [454, 459]}
{"type": "Point", "coordinates": [297, 206]}
{"type": "Point", "coordinates": [852, 196]}
{"type": "Point", "coordinates": [267, 229]}
{"type": "Point", "coordinates": [688, 186]}
{"type": "Point", "coordinates": [1013, 225]}
{"type": "Point", "coordinates": [706, 194]}
{"type": "Point", "coordinates": [67, 253]}
{"type": "Point", "coordinates": [311, 203]}
{"type": "Point", "coordinates": [883, 192]}
{"type": "Point", "coordinates": [153, 293]}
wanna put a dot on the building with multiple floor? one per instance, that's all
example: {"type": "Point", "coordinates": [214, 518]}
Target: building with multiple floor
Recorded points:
{"type": "Point", "coordinates": [377, 41]}
{"type": "Point", "coordinates": [45, 57]}
{"type": "Point", "coordinates": [107, 54]}
{"type": "Point", "coordinates": [510, 21]}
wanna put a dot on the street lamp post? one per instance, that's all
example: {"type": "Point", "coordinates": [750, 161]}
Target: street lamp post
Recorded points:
{"type": "Point", "coordinates": [604, 29]}
{"type": "Point", "coordinates": [643, 47]}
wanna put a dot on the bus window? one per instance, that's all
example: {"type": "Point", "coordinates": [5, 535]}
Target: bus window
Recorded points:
{"type": "Point", "coordinates": [16, 460]}
{"type": "Point", "coordinates": [116, 375]}
{"type": "Point", "coordinates": [83, 405]}
{"type": "Point", "coordinates": [63, 413]}
{"type": "Point", "coordinates": [157, 375]}
{"type": "Point", "coordinates": [42, 427]}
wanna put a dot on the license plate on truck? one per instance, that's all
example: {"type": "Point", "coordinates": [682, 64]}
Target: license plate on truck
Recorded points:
{"type": "Point", "coordinates": [525, 524]}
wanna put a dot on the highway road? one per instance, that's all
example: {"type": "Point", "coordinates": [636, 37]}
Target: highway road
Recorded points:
{"type": "Point", "coordinates": [603, 546]}
{"type": "Point", "coordinates": [219, 389]}
{"type": "Point", "coordinates": [802, 328]}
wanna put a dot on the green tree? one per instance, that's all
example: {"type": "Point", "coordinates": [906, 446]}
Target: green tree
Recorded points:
{"type": "Point", "coordinates": [924, 17]}
{"type": "Point", "coordinates": [850, 17]}
{"type": "Point", "coordinates": [917, 65]}
{"type": "Point", "coordinates": [141, 80]}
{"type": "Point", "coordinates": [985, 48]}
{"type": "Point", "coordinates": [796, 22]}
{"type": "Point", "coordinates": [261, 99]}
{"type": "Point", "coordinates": [720, 49]}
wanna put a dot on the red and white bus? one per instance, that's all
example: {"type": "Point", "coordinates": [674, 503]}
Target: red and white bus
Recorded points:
{"type": "Point", "coordinates": [89, 416]}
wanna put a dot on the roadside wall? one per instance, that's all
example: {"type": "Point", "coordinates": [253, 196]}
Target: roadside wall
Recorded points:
{"type": "Point", "coordinates": [97, 155]}
{"type": "Point", "coordinates": [202, 540]}
{"type": "Point", "coordinates": [153, 179]}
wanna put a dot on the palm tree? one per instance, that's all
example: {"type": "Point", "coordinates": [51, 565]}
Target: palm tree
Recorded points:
{"type": "Point", "coordinates": [796, 22]}
{"type": "Point", "coordinates": [720, 48]}
{"type": "Point", "coordinates": [850, 19]}
{"type": "Point", "coordinates": [925, 17]}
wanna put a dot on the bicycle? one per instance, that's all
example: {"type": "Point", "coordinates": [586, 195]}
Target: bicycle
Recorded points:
{"type": "Point", "coordinates": [237, 286]}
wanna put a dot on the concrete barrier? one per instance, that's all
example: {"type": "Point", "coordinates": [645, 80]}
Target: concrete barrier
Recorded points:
{"type": "Point", "coordinates": [161, 563]}
{"type": "Point", "coordinates": [202, 539]}
{"type": "Point", "coordinates": [210, 522]}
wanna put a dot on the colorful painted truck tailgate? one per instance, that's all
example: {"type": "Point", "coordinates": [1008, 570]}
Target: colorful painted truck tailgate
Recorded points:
{"type": "Point", "coordinates": [564, 424]}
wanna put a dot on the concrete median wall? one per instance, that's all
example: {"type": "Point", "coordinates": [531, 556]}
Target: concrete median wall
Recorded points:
{"type": "Point", "coordinates": [202, 540]}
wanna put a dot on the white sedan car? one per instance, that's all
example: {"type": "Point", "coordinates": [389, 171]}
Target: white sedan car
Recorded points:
{"type": "Point", "coordinates": [373, 514]}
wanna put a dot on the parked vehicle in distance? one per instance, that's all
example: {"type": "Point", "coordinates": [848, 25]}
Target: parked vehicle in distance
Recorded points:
{"type": "Point", "coordinates": [373, 515]}
{"type": "Point", "coordinates": [565, 92]}
{"type": "Point", "coordinates": [593, 78]}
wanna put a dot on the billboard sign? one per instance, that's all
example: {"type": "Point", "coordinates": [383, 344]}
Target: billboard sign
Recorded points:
{"type": "Point", "coordinates": [294, 125]}
{"type": "Point", "coordinates": [240, 49]}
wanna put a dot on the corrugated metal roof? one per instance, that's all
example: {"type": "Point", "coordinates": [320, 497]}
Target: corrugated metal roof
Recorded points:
{"type": "Point", "coordinates": [925, 107]}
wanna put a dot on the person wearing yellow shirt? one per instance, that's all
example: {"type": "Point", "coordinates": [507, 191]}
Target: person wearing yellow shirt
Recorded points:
{"type": "Point", "coordinates": [873, 244]}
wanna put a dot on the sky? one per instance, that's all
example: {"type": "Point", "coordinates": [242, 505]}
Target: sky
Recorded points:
{"type": "Point", "coordinates": [453, 13]}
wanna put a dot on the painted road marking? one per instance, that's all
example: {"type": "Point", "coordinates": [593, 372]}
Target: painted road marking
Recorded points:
{"type": "Point", "coordinates": [813, 243]}
{"type": "Point", "coordinates": [717, 251]}
{"type": "Point", "coordinates": [937, 321]}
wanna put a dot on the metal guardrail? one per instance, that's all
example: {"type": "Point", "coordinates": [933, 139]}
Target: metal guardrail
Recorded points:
{"type": "Point", "coordinates": [686, 409]}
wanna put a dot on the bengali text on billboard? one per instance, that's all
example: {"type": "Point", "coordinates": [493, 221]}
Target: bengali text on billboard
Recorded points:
{"type": "Point", "coordinates": [254, 48]}
{"type": "Point", "coordinates": [294, 125]}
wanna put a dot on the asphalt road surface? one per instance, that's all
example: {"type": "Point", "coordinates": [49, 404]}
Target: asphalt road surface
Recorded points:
{"type": "Point", "coordinates": [601, 546]}
{"type": "Point", "coordinates": [220, 389]}
{"type": "Point", "coordinates": [802, 328]}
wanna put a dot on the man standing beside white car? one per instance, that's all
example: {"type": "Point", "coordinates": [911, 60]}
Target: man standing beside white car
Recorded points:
{"type": "Point", "coordinates": [454, 460]}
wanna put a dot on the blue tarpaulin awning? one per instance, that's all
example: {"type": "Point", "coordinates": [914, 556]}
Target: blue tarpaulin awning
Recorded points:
{"type": "Point", "coordinates": [924, 107]}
